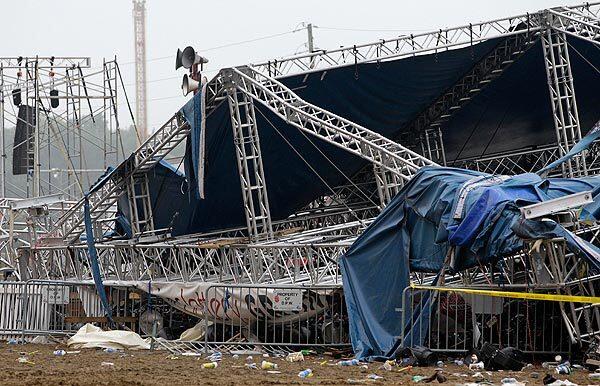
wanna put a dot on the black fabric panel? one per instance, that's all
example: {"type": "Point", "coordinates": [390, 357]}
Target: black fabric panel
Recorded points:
{"type": "Point", "coordinates": [512, 112]}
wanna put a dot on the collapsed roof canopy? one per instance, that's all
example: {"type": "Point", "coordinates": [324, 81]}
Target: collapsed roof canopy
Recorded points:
{"type": "Point", "coordinates": [510, 113]}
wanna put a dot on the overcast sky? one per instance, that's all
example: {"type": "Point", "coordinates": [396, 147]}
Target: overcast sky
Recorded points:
{"type": "Point", "coordinates": [104, 28]}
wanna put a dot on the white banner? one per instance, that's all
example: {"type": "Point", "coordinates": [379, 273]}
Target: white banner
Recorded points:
{"type": "Point", "coordinates": [241, 304]}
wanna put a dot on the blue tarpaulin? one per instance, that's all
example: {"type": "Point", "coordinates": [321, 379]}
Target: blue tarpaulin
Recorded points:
{"type": "Point", "coordinates": [440, 208]}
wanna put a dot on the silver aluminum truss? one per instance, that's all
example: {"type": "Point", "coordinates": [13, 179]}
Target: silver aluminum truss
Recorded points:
{"type": "Point", "coordinates": [562, 95]}
{"type": "Point", "coordinates": [422, 43]}
{"type": "Point", "coordinates": [386, 155]}
{"type": "Point", "coordinates": [249, 159]}
{"type": "Point", "coordinates": [308, 256]}
{"type": "Point", "coordinates": [71, 225]}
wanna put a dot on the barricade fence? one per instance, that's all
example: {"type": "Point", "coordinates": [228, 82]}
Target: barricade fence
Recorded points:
{"type": "Point", "coordinates": [275, 317]}
{"type": "Point", "coordinates": [451, 321]}
{"type": "Point", "coordinates": [281, 318]}
{"type": "Point", "coordinates": [38, 307]}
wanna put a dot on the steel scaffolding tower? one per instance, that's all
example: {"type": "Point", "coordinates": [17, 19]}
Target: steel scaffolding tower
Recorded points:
{"type": "Point", "coordinates": [73, 109]}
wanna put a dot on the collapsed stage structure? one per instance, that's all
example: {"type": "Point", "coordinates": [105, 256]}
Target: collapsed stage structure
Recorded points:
{"type": "Point", "coordinates": [289, 161]}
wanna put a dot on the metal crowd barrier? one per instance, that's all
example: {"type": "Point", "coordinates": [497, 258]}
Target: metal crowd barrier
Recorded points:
{"type": "Point", "coordinates": [272, 317]}
{"type": "Point", "coordinates": [41, 307]}
{"type": "Point", "coordinates": [458, 322]}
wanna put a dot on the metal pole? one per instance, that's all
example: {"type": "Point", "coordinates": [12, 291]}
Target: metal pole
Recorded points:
{"type": "Point", "coordinates": [2, 143]}
{"type": "Point", "coordinates": [311, 46]}
{"type": "Point", "coordinates": [36, 150]}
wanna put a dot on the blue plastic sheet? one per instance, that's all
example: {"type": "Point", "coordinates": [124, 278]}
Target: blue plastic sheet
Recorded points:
{"type": "Point", "coordinates": [430, 215]}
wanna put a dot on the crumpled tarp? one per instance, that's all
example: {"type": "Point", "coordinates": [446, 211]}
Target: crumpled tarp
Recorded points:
{"type": "Point", "coordinates": [475, 213]}
{"type": "Point", "coordinates": [90, 336]}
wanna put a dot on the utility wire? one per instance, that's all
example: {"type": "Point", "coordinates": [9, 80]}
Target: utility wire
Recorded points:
{"type": "Point", "coordinates": [224, 45]}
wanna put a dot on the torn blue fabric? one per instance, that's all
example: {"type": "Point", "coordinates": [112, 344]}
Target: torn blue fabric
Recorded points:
{"type": "Point", "coordinates": [93, 255]}
{"type": "Point", "coordinates": [418, 227]}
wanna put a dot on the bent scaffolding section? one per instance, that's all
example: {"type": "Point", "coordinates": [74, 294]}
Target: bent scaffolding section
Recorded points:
{"type": "Point", "coordinates": [300, 159]}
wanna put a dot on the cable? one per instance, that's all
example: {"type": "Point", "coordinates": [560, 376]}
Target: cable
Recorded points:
{"type": "Point", "coordinates": [222, 46]}
{"type": "Point", "coordinates": [310, 166]}
{"type": "Point", "coordinates": [335, 166]}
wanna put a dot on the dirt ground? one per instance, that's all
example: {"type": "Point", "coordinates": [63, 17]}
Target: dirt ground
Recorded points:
{"type": "Point", "coordinates": [159, 368]}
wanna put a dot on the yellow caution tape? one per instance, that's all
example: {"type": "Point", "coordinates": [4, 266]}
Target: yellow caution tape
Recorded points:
{"type": "Point", "coordinates": [513, 295]}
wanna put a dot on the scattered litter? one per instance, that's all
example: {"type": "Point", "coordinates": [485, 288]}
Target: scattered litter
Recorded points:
{"type": "Point", "coordinates": [405, 368]}
{"type": "Point", "coordinates": [40, 339]}
{"type": "Point", "coordinates": [273, 372]}
{"type": "Point", "coordinates": [210, 365]}
{"type": "Point", "coordinates": [235, 356]}
{"type": "Point", "coordinates": [349, 380]}
{"type": "Point", "coordinates": [511, 382]}
{"type": "Point", "coordinates": [215, 357]}
{"type": "Point", "coordinates": [12, 341]}
{"type": "Point", "coordinates": [191, 354]}
{"type": "Point", "coordinates": [251, 366]}
{"type": "Point", "coordinates": [458, 362]}
{"type": "Point", "coordinates": [374, 377]}
{"type": "Point", "coordinates": [295, 357]}
{"type": "Point", "coordinates": [60, 353]}
{"type": "Point", "coordinates": [110, 350]}
{"type": "Point", "coordinates": [24, 359]}
{"type": "Point", "coordinates": [548, 379]}
{"type": "Point", "coordinates": [388, 365]}
{"type": "Point", "coordinates": [558, 358]}
{"type": "Point", "coordinates": [562, 369]}
{"type": "Point", "coordinates": [439, 364]}
{"type": "Point", "coordinates": [172, 356]}
{"type": "Point", "coordinates": [75, 352]}
{"type": "Point", "coordinates": [594, 376]}
{"type": "Point", "coordinates": [534, 375]}
{"type": "Point", "coordinates": [559, 382]}
{"type": "Point", "coordinates": [476, 366]}
{"type": "Point", "coordinates": [305, 373]}
{"type": "Point", "coordinates": [437, 376]}
{"type": "Point", "coordinates": [268, 365]}
{"type": "Point", "coordinates": [477, 375]}
{"type": "Point", "coordinates": [351, 362]}
{"type": "Point", "coordinates": [323, 363]}
{"type": "Point", "coordinates": [417, 378]}
{"type": "Point", "coordinates": [249, 359]}
{"type": "Point", "coordinates": [107, 364]}
{"type": "Point", "coordinates": [265, 355]}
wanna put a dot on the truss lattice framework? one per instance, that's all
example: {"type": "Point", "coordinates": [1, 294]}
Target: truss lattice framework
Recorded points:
{"type": "Point", "coordinates": [309, 256]}
{"type": "Point", "coordinates": [156, 147]}
{"type": "Point", "coordinates": [415, 44]}
{"type": "Point", "coordinates": [329, 127]}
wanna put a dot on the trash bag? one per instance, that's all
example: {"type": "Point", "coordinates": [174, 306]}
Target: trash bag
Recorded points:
{"type": "Point", "coordinates": [418, 356]}
{"type": "Point", "coordinates": [508, 358]}
{"type": "Point", "coordinates": [592, 356]}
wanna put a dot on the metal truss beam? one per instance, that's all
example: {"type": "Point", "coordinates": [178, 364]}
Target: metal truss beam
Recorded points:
{"type": "Point", "coordinates": [70, 226]}
{"type": "Point", "coordinates": [562, 95]}
{"type": "Point", "coordinates": [308, 256]}
{"type": "Point", "coordinates": [249, 159]}
{"type": "Point", "coordinates": [327, 126]}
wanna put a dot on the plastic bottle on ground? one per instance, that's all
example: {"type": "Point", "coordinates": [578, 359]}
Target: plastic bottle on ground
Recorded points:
{"type": "Point", "coordinates": [210, 365]}
{"type": "Point", "coordinates": [351, 362]}
{"type": "Point", "coordinates": [305, 373]}
{"type": "Point", "coordinates": [268, 365]}
{"type": "Point", "coordinates": [60, 353]}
